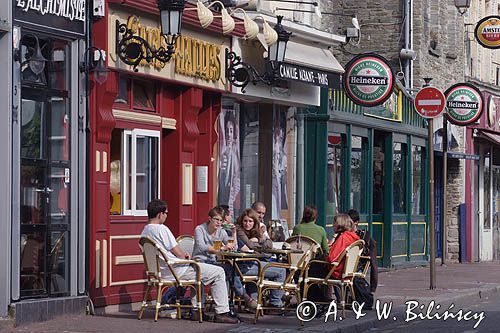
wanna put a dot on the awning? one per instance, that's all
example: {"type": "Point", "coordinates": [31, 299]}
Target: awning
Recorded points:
{"type": "Point", "coordinates": [312, 57]}
{"type": "Point", "coordinates": [494, 138]}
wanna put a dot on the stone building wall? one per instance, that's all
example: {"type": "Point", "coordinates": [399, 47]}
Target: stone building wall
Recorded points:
{"type": "Point", "coordinates": [438, 39]}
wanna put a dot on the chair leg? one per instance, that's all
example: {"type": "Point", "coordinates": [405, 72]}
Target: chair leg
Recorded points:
{"type": "Point", "coordinates": [198, 293]}
{"type": "Point", "coordinates": [144, 301]}
{"type": "Point", "coordinates": [177, 302]}
{"type": "Point", "coordinates": [158, 302]}
{"type": "Point", "coordinates": [259, 304]}
{"type": "Point", "coordinates": [343, 295]}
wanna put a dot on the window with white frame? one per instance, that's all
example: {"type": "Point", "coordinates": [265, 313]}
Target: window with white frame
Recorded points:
{"type": "Point", "coordinates": [134, 171]}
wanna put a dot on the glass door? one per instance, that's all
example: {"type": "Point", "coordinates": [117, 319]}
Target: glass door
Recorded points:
{"type": "Point", "coordinates": [496, 212]}
{"type": "Point", "coordinates": [44, 170]}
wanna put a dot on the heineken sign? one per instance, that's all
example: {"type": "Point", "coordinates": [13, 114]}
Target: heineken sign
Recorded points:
{"type": "Point", "coordinates": [464, 104]}
{"type": "Point", "coordinates": [368, 80]}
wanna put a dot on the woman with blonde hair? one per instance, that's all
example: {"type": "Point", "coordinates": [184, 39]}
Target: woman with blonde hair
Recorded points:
{"type": "Point", "coordinates": [345, 236]}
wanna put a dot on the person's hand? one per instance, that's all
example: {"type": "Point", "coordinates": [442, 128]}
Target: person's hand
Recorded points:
{"type": "Point", "coordinates": [187, 256]}
{"type": "Point", "coordinates": [230, 246]}
{"type": "Point", "coordinates": [263, 228]}
{"type": "Point", "coordinates": [254, 239]}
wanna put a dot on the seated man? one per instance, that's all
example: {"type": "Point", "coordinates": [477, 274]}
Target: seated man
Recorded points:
{"type": "Point", "coordinates": [210, 274]}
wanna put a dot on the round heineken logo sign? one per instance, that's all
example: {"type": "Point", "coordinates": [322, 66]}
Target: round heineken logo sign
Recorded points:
{"type": "Point", "coordinates": [487, 32]}
{"type": "Point", "coordinates": [368, 80]}
{"type": "Point", "coordinates": [464, 104]}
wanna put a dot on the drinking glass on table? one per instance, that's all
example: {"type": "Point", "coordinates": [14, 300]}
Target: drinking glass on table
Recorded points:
{"type": "Point", "coordinates": [217, 245]}
{"type": "Point", "coordinates": [231, 244]}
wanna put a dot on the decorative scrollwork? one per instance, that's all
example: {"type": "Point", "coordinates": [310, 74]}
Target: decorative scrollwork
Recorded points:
{"type": "Point", "coordinates": [132, 49]}
{"type": "Point", "coordinates": [240, 74]}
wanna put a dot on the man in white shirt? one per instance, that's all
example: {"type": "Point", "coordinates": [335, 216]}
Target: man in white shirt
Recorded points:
{"type": "Point", "coordinates": [210, 274]}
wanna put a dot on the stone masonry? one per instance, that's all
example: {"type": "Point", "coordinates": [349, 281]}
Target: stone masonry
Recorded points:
{"type": "Point", "coordinates": [437, 37]}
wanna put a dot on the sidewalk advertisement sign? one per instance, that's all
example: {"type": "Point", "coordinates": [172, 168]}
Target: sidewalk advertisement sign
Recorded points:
{"type": "Point", "coordinates": [368, 80]}
{"type": "Point", "coordinates": [464, 104]}
{"type": "Point", "coordinates": [487, 32]}
{"type": "Point", "coordinates": [429, 102]}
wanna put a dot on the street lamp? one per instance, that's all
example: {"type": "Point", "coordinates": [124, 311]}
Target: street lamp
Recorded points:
{"type": "Point", "coordinates": [240, 73]}
{"type": "Point", "coordinates": [132, 49]}
{"type": "Point", "coordinates": [278, 49]}
{"type": "Point", "coordinates": [89, 64]}
{"type": "Point", "coordinates": [462, 6]}
{"type": "Point", "coordinates": [35, 59]}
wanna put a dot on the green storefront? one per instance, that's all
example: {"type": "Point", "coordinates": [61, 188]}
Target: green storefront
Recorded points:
{"type": "Point", "coordinates": [373, 159]}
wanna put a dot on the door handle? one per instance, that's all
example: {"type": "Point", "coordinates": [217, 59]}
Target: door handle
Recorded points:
{"type": "Point", "coordinates": [48, 190]}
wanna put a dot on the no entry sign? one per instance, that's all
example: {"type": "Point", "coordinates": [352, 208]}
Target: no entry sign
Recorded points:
{"type": "Point", "coordinates": [429, 102]}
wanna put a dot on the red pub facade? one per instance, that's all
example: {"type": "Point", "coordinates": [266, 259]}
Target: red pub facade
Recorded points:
{"type": "Point", "coordinates": [153, 135]}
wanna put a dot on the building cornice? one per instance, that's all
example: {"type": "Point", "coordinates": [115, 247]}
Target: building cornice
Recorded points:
{"type": "Point", "coordinates": [491, 88]}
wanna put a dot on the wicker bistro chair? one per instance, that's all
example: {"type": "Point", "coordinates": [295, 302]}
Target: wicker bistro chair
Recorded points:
{"type": "Point", "coordinates": [186, 242]}
{"type": "Point", "coordinates": [351, 255]}
{"type": "Point", "coordinates": [153, 258]}
{"type": "Point", "coordinates": [297, 263]}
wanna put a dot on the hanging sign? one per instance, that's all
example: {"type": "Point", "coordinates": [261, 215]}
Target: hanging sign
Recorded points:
{"type": "Point", "coordinates": [464, 104]}
{"type": "Point", "coordinates": [64, 15]}
{"type": "Point", "coordinates": [368, 80]}
{"type": "Point", "coordinates": [429, 102]}
{"type": "Point", "coordinates": [487, 32]}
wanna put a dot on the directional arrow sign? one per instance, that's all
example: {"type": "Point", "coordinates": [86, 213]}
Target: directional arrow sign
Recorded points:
{"type": "Point", "coordinates": [429, 102]}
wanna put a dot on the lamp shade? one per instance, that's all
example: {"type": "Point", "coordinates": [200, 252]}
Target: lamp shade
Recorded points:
{"type": "Point", "coordinates": [205, 15]}
{"type": "Point", "coordinates": [228, 23]}
{"type": "Point", "coordinates": [37, 61]}
{"type": "Point", "coordinates": [251, 27]}
{"type": "Point", "coordinates": [171, 16]}
{"type": "Point", "coordinates": [462, 4]}
{"type": "Point", "coordinates": [270, 35]}
{"type": "Point", "coordinates": [278, 49]}
{"type": "Point", "coordinates": [100, 70]}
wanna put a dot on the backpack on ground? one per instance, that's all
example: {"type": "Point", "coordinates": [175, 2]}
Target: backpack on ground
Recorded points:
{"type": "Point", "coordinates": [363, 293]}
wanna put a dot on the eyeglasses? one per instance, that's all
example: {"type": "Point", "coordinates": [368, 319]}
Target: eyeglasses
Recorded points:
{"type": "Point", "coordinates": [217, 219]}
{"type": "Point", "coordinates": [165, 212]}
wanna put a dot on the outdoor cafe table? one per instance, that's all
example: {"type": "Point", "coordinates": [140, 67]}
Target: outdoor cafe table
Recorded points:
{"type": "Point", "coordinates": [231, 256]}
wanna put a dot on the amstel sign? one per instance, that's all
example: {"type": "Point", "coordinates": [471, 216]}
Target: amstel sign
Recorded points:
{"type": "Point", "coordinates": [487, 32]}
{"type": "Point", "coordinates": [368, 80]}
{"type": "Point", "coordinates": [464, 104]}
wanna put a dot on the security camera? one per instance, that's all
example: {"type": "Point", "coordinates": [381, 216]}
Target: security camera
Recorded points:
{"type": "Point", "coordinates": [407, 54]}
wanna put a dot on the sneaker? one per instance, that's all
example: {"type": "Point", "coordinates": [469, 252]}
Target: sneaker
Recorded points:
{"type": "Point", "coordinates": [168, 313]}
{"type": "Point", "coordinates": [251, 304]}
{"type": "Point", "coordinates": [225, 318]}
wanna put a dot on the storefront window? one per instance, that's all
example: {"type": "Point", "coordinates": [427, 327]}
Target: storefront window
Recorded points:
{"type": "Point", "coordinates": [249, 120]}
{"type": "Point", "coordinates": [417, 207]}
{"type": "Point", "coordinates": [123, 91]}
{"type": "Point", "coordinates": [399, 172]}
{"type": "Point", "coordinates": [334, 171]}
{"type": "Point", "coordinates": [487, 189]}
{"type": "Point", "coordinates": [378, 173]}
{"type": "Point", "coordinates": [144, 95]}
{"type": "Point", "coordinates": [134, 171]}
{"type": "Point", "coordinates": [357, 197]}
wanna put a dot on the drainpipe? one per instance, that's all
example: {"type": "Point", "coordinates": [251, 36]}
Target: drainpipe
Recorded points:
{"type": "Point", "coordinates": [408, 68]}
{"type": "Point", "coordinates": [300, 164]}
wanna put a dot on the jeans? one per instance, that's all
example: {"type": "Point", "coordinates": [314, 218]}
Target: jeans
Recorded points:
{"type": "Point", "coordinates": [273, 274]}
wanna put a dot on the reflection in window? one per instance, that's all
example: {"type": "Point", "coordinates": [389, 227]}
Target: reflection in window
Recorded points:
{"type": "Point", "coordinates": [357, 172]}
{"type": "Point", "coordinates": [249, 136]}
{"type": "Point", "coordinates": [399, 172]}
{"type": "Point", "coordinates": [123, 89]}
{"type": "Point", "coordinates": [134, 171]}
{"type": "Point", "coordinates": [144, 95]}
{"type": "Point", "coordinates": [418, 204]}
{"type": "Point", "coordinates": [334, 170]}
{"type": "Point", "coordinates": [487, 189]}
{"type": "Point", "coordinates": [378, 174]}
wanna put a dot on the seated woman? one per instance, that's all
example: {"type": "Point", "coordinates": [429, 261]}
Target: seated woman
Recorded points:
{"type": "Point", "coordinates": [250, 234]}
{"type": "Point", "coordinates": [309, 228]}
{"type": "Point", "coordinates": [204, 250]}
{"type": "Point", "coordinates": [344, 236]}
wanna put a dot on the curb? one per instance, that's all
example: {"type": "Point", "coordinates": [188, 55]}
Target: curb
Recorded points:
{"type": "Point", "coordinates": [363, 325]}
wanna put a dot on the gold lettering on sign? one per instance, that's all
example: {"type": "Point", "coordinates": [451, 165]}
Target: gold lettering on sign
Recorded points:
{"type": "Point", "coordinates": [197, 58]}
{"type": "Point", "coordinates": [193, 57]}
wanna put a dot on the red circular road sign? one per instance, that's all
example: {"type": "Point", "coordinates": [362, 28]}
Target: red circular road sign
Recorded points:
{"type": "Point", "coordinates": [429, 102]}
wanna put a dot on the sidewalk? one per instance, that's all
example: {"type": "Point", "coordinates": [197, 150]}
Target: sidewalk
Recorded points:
{"type": "Point", "coordinates": [461, 284]}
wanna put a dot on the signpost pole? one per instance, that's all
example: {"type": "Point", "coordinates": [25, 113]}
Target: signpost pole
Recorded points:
{"type": "Point", "coordinates": [445, 201]}
{"type": "Point", "coordinates": [432, 226]}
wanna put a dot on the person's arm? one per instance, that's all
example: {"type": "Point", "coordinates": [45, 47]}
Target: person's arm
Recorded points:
{"type": "Point", "coordinates": [244, 238]}
{"type": "Point", "coordinates": [266, 243]}
{"type": "Point", "coordinates": [201, 242]}
{"type": "Point", "coordinates": [180, 253]}
{"type": "Point", "coordinates": [337, 248]}
{"type": "Point", "coordinates": [295, 230]}
{"type": "Point", "coordinates": [324, 243]}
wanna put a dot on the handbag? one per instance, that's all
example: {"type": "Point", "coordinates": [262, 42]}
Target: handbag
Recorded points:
{"type": "Point", "coordinates": [276, 231]}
